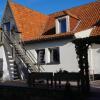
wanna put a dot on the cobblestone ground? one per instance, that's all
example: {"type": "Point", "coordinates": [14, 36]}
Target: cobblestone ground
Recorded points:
{"type": "Point", "coordinates": [95, 90]}
{"type": "Point", "coordinates": [95, 83]}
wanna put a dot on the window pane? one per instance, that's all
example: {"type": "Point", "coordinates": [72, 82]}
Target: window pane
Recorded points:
{"type": "Point", "coordinates": [7, 26]}
{"type": "Point", "coordinates": [62, 23]}
{"type": "Point", "coordinates": [41, 56]}
{"type": "Point", "coordinates": [54, 55]}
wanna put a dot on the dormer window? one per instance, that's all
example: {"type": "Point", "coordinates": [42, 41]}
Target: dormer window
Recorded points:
{"type": "Point", "coordinates": [62, 24]}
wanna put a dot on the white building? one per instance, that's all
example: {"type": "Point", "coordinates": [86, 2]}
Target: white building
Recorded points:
{"type": "Point", "coordinates": [47, 39]}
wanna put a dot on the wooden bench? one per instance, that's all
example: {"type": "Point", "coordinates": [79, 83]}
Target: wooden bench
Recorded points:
{"type": "Point", "coordinates": [59, 79]}
{"type": "Point", "coordinates": [39, 78]}
{"type": "Point", "coordinates": [74, 77]}
{"type": "Point", "coordinates": [66, 77]}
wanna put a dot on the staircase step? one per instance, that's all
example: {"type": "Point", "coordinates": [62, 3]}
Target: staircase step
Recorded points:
{"type": "Point", "coordinates": [11, 60]}
{"type": "Point", "coordinates": [19, 54]}
{"type": "Point", "coordinates": [12, 68]}
{"type": "Point", "coordinates": [15, 73]}
{"type": "Point", "coordinates": [16, 77]}
{"type": "Point", "coordinates": [11, 64]}
{"type": "Point", "coordinates": [8, 52]}
{"type": "Point", "coordinates": [12, 72]}
{"type": "Point", "coordinates": [10, 56]}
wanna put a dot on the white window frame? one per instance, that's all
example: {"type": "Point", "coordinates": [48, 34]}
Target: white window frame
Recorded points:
{"type": "Point", "coordinates": [47, 59]}
{"type": "Point", "coordinates": [39, 58]}
{"type": "Point", "coordinates": [53, 62]}
{"type": "Point", "coordinates": [58, 30]}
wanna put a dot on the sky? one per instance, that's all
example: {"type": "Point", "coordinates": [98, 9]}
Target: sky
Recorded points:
{"type": "Point", "coordinates": [46, 6]}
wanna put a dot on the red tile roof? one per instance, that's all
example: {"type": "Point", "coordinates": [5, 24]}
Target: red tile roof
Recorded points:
{"type": "Point", "coordinates": [29, 22]}
{"type": "Point", "coordinates": [88, 15]}
{"type": "Point", "coordinates": [36, 26]}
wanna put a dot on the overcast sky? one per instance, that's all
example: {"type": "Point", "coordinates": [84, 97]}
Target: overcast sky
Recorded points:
{"type": "Point", "coordinates": [46, 6]}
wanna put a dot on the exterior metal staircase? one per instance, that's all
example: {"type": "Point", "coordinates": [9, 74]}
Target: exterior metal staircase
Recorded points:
{"type": "Point", "coordinates": [26, 58]}
{"type": "Point", "coordinates": [23, 55]}
{"type": "Point", "coordinates": [13, 69]}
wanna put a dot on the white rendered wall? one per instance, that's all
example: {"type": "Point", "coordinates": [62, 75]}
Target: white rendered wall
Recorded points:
{"type": "Point", "coordinates": [83, 34]}
{"type": "Point", "coordinates": [5, 67]}
{"type": "Point", "coordinates": [68, 55]}
{"type": "Point", "coordinates": [95, 58]}
{"type": "Point", "coordinates": [68, 59]}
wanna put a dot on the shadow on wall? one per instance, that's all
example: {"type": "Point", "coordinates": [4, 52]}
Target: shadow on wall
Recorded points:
{"type": "Point", "coordinates": [98, 51]}
{"type": "Point", "coordinates": [1, 67]}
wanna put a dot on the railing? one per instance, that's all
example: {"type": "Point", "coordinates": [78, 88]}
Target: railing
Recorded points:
{"type": "Point", "coordinates": [22, 50]}
{"type": "Point", "coordinates": [8, 44]}
{"type": "Point", "coordinates": [40, 68]}
{"type": "Point", "coordinates": [28, 55]}
{"type": "Point", "coordinates": [31, 55]}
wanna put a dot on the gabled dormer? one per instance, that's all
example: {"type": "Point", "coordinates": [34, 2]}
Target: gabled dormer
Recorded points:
{"type": "Point", "coordinates": [62, 24]}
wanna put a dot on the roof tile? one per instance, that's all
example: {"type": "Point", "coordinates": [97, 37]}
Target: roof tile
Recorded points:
{"type": "Point", "coordinates": [36, 26]}
{"type": "Point", "coordinates": [30, 23]}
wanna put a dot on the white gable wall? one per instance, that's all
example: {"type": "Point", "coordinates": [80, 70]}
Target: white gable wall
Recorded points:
{"type": "Point", "coordinates": [5, 66]}
{"type": "Point", "coordinates": [95, 59]}
{"type": "Point", "coordinates": [83, 34]}
{"type": "Point", "coordinates": [8, 17]}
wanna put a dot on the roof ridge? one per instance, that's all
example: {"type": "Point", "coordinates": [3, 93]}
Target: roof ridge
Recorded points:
{"type": "Point", "coordinates": [72, 8]}
{"type": "Point", "coordinates": [27, 7]}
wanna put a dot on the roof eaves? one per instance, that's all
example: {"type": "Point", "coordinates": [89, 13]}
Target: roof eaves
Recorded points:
{"type": "Point", "coordinates": [50, 38]}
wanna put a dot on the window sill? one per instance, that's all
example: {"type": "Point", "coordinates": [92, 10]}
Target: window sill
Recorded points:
{"type": "Point", "coordinates": [52, 63]}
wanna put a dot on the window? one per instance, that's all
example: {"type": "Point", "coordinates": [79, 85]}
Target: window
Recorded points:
{"type": "Point", "coordinates": [41, 56]}
{"type": "Point", "coordinates": [62, 25]}
{"type": "Point", "coordinates": [7, 26]}
{"type": "Point", "coordinates": [54, 55]}
{"type": "Point", "coordinates": [48, 56]}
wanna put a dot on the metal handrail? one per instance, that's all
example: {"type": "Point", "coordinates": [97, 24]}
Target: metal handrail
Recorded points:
{"type": "Point", "coordinates": [30, 54]}
{"type": "Point", "coordinates": [13, 45]}
{"type": "Point", "coordinates": [24, 50]}
{"type": "Point", "coordinates": [7, 43]}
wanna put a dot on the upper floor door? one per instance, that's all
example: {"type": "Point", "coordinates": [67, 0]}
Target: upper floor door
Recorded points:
{"type": "Point", "coordinates": [6, 26]}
